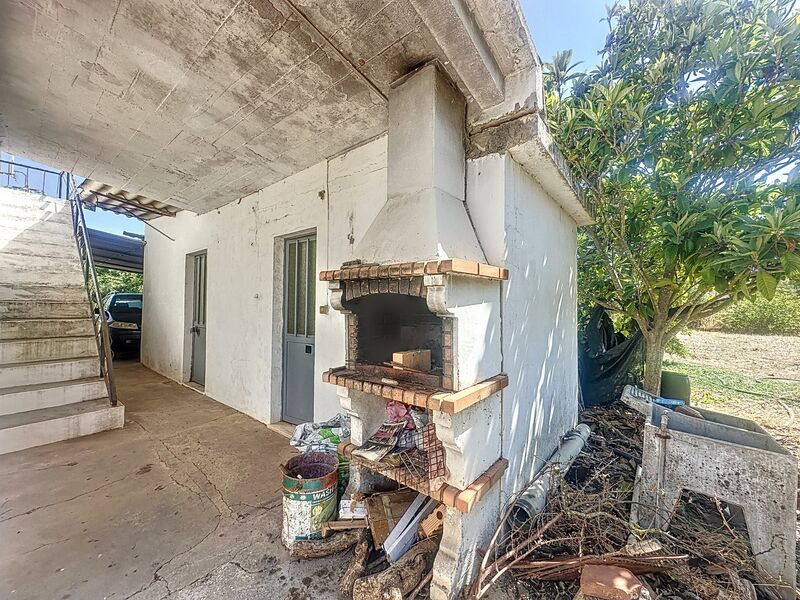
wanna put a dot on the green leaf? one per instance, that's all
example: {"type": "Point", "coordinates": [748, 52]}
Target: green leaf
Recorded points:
{"type": "Point", "coordinates": [791, 263]}
{"type": "Point", "coordinates": [766, 284]}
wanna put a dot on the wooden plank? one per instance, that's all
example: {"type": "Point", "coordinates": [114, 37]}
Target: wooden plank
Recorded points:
{"type": "Point", "coordinates": [331, 526]}
{"type": "Point", "coordinates": [431, 524]}
{"type": "Point", "coordinates": [403, 536]}
{"type": "Point", "coordinates": [384, 511]}
{"type": "Point", "coordinates": [417, 360]}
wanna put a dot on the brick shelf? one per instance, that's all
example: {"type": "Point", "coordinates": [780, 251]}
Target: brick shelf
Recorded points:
{"type": "Point", "coordinates": [449, 495]}
{"type": "Point", "coordinates": [454, 266]}
{"type": "Point", "coordinates": [417, 395]}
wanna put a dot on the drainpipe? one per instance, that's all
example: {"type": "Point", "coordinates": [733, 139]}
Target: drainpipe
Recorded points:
{"type": "Point", "coordinates": [534, 499]}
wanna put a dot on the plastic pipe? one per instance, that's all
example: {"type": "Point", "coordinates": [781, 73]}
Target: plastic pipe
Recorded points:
{"type": "Point", "coordinates": [533, 501]}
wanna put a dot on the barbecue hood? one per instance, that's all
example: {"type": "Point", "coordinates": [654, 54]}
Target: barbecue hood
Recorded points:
{"type": "Point", "coordinates": [425, 216]}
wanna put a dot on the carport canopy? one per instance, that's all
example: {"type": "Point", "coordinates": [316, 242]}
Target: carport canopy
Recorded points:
{"type": "Point", "coordinates": [117, 251]}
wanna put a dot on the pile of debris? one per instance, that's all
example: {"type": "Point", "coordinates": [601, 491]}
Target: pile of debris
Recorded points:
{"type": "Point", "coordinates": [585, 544]}
{"type": "Point", "coordinates": [395, 532]}
{"type": "Point", "coordinates": [395, 544]}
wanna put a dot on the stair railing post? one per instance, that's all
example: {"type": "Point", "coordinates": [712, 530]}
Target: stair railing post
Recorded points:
{"type": "Point", "coordinates": [102, 337]}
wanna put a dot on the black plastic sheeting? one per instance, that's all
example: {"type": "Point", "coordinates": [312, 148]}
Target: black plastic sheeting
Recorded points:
{"type": "Point", "coordinates": [607, 360]}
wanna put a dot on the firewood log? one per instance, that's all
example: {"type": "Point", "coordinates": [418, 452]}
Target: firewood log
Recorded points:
{"type": "Point", "coordinates": [338, 542]}
{"type": "Point", "coordinates": [356, 567]}
{"type": "Point", "coordinates": [401, 577]}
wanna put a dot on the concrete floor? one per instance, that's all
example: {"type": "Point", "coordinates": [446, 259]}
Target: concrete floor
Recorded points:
{"type": "Point", "coordinates": [184, 502]}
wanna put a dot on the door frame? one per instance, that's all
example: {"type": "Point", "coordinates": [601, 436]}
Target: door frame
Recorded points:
{"type": "Point", "coordinates": [188, 316]}
{"type": "Point", "coordinates": [277, 383]}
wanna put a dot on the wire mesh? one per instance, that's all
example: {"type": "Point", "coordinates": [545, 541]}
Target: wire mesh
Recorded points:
{"type": "Point", "coordinates": [418, 460]}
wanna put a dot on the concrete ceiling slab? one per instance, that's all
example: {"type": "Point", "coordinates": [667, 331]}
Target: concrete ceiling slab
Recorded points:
{"type": "Point", "coordinates": [196, 103]}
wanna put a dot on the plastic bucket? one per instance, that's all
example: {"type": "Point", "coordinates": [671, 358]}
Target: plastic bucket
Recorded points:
{"type": "Point", "coordinates": [309, 495]}
{"type": "Point", "coordinates": [676, 385]}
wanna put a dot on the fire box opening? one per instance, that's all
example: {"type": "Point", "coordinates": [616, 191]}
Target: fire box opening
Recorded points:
{"type": "Point", "coordinates": [388, 323]}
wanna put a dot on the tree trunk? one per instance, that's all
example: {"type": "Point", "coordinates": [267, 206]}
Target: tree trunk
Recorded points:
{"type": "Point", "coordinates": [653, 358]}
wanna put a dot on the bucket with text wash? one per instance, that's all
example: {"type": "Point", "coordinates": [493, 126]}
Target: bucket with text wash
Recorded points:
{"type": "Point", "coordinates": [309, 495]}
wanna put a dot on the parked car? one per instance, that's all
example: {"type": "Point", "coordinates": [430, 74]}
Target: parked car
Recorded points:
{"type": "Point", "coordinates": [124, 314]}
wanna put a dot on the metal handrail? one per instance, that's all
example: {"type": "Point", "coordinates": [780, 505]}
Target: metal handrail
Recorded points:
{"type": "Point", "coordinates": [15, 171]}
{"type": "Point", "coordinates": [102, 337]}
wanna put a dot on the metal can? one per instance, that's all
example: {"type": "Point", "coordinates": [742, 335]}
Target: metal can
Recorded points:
{"type": "Point", "coordinates": [309, 495]}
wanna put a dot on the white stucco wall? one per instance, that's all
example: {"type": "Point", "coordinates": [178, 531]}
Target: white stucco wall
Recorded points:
{"type": "Point", "coordinates": [519, 227]}
{"type": "Point", "coordinates": [243, 362]}
{"type": "Point", "coordinates": [536, 240]}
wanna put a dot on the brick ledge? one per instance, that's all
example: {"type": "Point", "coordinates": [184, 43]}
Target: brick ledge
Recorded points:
{"type": "Point", "coordinates": [432, 399]}
{"type": "Point", "coordinates": [453, 266]}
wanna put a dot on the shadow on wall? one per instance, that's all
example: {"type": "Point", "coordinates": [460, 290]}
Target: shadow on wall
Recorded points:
{"type": "Point", "coordinates": [540, 356]}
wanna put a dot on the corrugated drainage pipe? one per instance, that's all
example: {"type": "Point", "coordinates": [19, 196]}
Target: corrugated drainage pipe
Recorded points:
{"type": "Point", "coordinates": [533, 501]}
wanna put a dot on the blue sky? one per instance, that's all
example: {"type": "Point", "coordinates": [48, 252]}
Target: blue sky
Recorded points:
{"type": "Point", "coordinates": [98, 219]}
{"type": "Point", "coordinates": [567, 24]}
{"type": "Point", "coordinates": [555, 25]}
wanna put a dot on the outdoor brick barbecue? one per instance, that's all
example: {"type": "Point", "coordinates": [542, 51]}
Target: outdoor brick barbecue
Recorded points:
{"type": "Point", "coordinates": [420, 282]}
{"type": "Point", "coordinates": [457, 380]}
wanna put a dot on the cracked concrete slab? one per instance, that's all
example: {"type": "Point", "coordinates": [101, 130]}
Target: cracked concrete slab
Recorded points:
{"type": "Point", "coordinates": [184, 502]}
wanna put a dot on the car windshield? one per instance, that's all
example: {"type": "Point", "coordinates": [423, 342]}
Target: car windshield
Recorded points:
{"type": "Point", "coordinates": [127, 302]}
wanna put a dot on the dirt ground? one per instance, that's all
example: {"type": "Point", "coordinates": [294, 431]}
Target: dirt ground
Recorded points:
{"type": "Point", "coordinates": [756, 355]}
{"type": "Point", "coordinates": [752, 376]}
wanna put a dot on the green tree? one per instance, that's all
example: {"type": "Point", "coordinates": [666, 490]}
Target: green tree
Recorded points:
{"type": "Point", "coordinates": [685, 138]}
{"type": "Point", "coordinates": [112, 280]}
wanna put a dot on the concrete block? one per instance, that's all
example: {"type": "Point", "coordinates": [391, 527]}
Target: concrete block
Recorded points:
{"type": "Point", "coordinates": [48, 425]}
{"type": "Point", "coordinates": [33, 373]}
{"type": "Point", "coordinates": [726, 458]}
{"type": "Point", "coordinates": [46, 395]}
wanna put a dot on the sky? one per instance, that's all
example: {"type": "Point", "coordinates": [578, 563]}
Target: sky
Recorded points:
{"type": "Point", "coordinates": [97, 219]}
{"type": "Point", "coordinates": [567, 24]}
{"type": "Point", "coordinates": [555, 25]}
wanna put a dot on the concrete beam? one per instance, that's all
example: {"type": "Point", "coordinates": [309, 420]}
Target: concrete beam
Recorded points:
{"type": "Point", "coordinates": [526, 137]}
{"type": "Point", "coordinates": [458, 36]}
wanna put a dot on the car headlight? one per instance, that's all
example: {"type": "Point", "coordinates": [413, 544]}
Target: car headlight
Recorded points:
{"type": "Point", "coordinates": [122, 325]}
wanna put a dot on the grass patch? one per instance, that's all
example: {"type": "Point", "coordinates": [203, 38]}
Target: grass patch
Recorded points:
{"type": "Point", "coordinates": [717, 387]}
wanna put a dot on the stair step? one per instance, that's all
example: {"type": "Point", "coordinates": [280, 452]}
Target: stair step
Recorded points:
{"type": "Point", "coordinates": [43, 309]}
{"type": "Point", "coordinates": [45, 395]}
{"type": "Point", "coordinates": [48, 371]}
{"type": "Point", "coordinates": [14, 233]}
{"type": "Point", "coordinates": [19, 351]}
{"type": "Point", "coordinates": [51, 212]}
{"type": "Point", "coordinates": [56, 273]}
{"type": "Point", "coordinates": [58, 250]}
{"type": "Point", "coordinates": [43, 292]}
{"type": "Point", "coordinates": [48, 425]}
{"type": "Point", "coordinates": [30, 200]}
{"type": "Point", "coordinates": [18, 329]}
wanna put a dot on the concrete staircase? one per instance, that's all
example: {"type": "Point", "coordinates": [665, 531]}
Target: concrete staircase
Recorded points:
{"type": "Point", "coordinates": [50, 384]}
